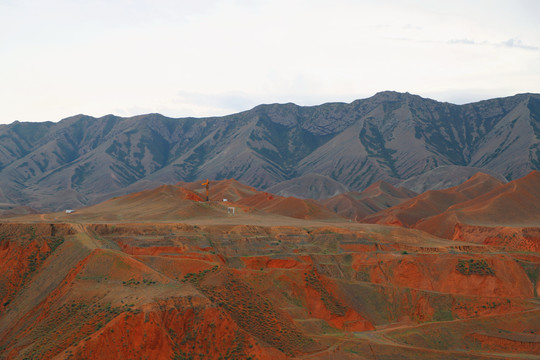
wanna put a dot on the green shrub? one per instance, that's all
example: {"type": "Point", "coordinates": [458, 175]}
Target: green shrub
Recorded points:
{"type": "Point", "coordinates": [476, 267]}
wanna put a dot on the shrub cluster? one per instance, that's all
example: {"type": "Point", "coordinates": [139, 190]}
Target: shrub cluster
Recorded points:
{"type": "Point", "coordinates": [253, 311]}
{"type": "Point", "coordinates": [331, 303]}
{"type": "Point", "coordinates": [477, 267]}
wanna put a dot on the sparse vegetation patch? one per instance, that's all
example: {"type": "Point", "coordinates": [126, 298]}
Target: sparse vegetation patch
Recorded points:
{"type": "Point", "coordinates": [476, 267]}
{"type": "Point", "coordinates": [332, 304]}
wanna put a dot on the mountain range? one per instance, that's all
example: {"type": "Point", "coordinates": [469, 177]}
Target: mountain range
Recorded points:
{"type": "Point", "coordinates": [316, 151]}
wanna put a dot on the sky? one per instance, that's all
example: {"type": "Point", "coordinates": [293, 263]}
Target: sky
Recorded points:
{"type": "Point", "coordinates": [183, 58]}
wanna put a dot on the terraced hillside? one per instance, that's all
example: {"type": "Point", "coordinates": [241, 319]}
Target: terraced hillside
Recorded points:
{"type": "Point", "coordinates": [231, 291]}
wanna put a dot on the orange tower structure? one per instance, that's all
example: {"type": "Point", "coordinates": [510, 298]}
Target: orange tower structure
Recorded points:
{"type": "Point", "coordinates": [207, 184]}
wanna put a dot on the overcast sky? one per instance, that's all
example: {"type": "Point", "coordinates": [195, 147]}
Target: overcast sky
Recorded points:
{"type": "Point", "coordinates": [202, 58]}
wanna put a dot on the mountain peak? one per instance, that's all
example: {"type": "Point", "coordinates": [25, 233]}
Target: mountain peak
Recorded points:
{"type": "Point", "coordinates": [389, 95]}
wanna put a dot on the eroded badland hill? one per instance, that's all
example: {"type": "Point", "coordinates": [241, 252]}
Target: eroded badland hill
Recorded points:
{"type": "Point", "coordinates": [161, 274]}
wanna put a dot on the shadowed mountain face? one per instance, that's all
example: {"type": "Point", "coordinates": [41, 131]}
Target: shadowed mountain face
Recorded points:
{"type": "Point", "coordinates": [390, 136]}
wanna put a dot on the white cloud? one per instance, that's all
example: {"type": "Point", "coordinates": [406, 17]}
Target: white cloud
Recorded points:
{"type": "Point", "coordinates": [510, 43]}
{"type": "Point", "coordinates": [516, 43]}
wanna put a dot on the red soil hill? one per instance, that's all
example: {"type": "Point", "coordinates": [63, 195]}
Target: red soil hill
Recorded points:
{"type": "Point", "coordinates": [166, 202]}
{"type": "Point", "coordinates": [434, 202]}
{"type": "Point", "coordinates": [515, 204]}
{"type": "Point", "coordinates": [240, 194]}
{"type": "Point", "coordinates": [357, 205]}
{"type": "Point", "coordinates": [229, 189]}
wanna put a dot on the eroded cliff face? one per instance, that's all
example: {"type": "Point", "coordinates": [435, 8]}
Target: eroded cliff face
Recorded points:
{"type": "Point", "coordinates": [505, 237]}
{"type": "Point", "coordinates": [173, 291]}
{"type": "Point", "coordinates": [23, 249]}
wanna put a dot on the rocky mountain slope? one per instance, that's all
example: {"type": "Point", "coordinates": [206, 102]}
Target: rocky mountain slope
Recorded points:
{"type": "Point", "coordinates": [309, 186]}
{"type": "Point", "coordinates": [444, 177]}
{"type": "Point", "coordinates": [391, 136]}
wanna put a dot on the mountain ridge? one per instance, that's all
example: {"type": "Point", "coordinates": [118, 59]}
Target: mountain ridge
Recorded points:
{"type": "Point", "coordinates": [391, 136]}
